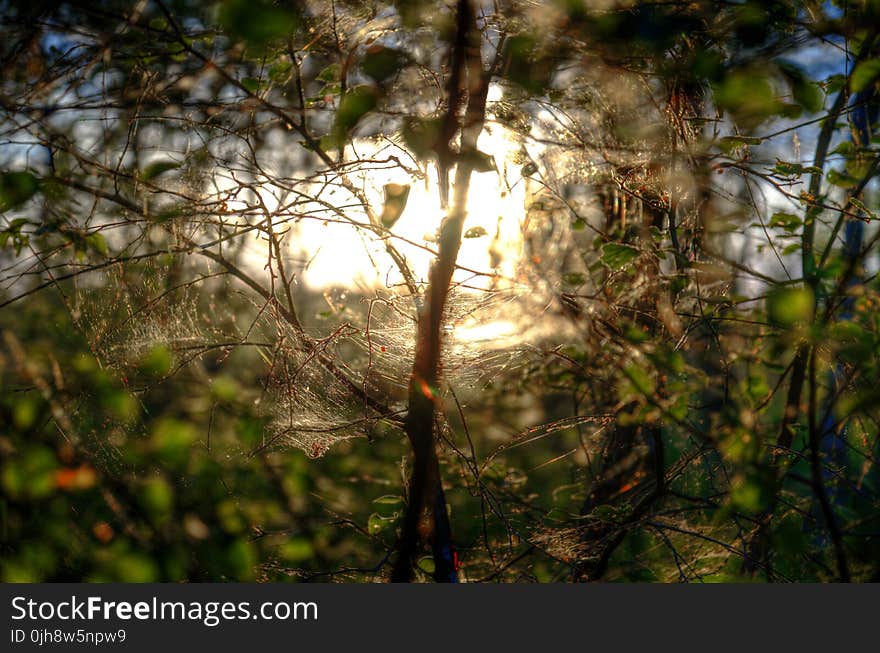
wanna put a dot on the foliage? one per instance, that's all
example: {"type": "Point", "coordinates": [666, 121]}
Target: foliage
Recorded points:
{"type": "Point", "coordinates": [686, 392]}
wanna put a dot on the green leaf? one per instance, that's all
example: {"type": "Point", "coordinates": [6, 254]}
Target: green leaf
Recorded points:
{"type": "Point", "coordinates": [296, 549]}
{"type": "Point", "coordinates": [788, 307]}
{"type": "Point", "coordinates": [157, 497]}
{"type": "Point", "coordinates": [155, 169]}
{"type": "Point", "coordinates": [617, 256]}
{"type": "Point", "coordinates": [16, 188]}
{"type": "Point", "coordinates": [251, 84]}
{"type": "Point", "coordinates": [330, 74]}
{"type": "Point", "coordinates": [382, 63]}
{"type": "Point", "coordinates": [668, 360]}
{"type": "Point", "coordinates": [863, 74]}
{"type": "Point", "coordinates": [636, 334]}
{"type": "Point", "coordinates": [134, 568]}
{"type": "Point", "coordinates": [841, 179]}
{"type": "Point", "coordinates": [748, 95]}
{"type": "Point", "coordinates": [786, 221]}
{"type": "Point", "coordinates": [745, 495]}
{"type": "Point", "coordinates": [574, 279]}
{"type": "Point", "coordinates": [157, 362]}
{"type": "Point", "coordinates": [97, 242]}
{"type": "Point", "coordinates": [242, 558]}
{"type": "Point", "coordinates": [869, 214]}
{"type": "Point", "coordinates": [354, 105]}
{"type": "Point", "coordinates": [859, 166]}
{"type": "Point", "coordinates": [259, 21]}
{"type": "Point", "coordinates": [121, 403]}
{"type": "Point", "coordinates": [389, 500]}
{"type": "Point", "coordinates": [729, 144]}
{"type": "Point", "coordinates": [31, 475]}
{"type": "Point", "coordinates": [787, 169]}
{"type": "Point", "coordinates": [376, 523]}
{"type": "Point", "coordinates": [225, 388]}
{"type": "Point", "coordinates": [846, 148]}
{"type": "Point", "coordinates": [804, 91]}
{"type": "Point", "coordinates": [173, 439]}
{"type": "Point", "coordinates": [396, 196]}
{"type": "Point", "coordinates": [250, 430]}
{"type": "Point", "coordinates": [280, 72]}
{"type": "Point", "coordinates": [834, 83]}
{"type": "Point", "coordinates": [170, 213]}
{"type": "Point", "coordinates": [640, 379]}
{"type": "Point", "coordinates": [789, 110]}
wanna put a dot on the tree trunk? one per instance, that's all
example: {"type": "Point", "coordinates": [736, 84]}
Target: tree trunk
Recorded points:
{"type": "Point", "coordinates": [426, 517]}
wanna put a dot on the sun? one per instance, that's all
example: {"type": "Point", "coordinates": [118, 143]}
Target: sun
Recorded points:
{"type": "Point", "coordinates": [340, 254]}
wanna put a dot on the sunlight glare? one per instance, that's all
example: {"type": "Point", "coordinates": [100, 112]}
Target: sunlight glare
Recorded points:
{"type": "Point", "coordinates": [341, 256]}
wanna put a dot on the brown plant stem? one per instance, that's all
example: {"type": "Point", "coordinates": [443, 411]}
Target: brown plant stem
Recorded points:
{"type": "Point", "coordinates": [425, 487]}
